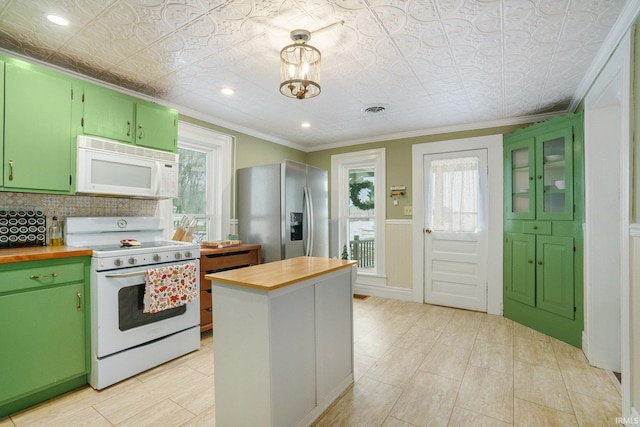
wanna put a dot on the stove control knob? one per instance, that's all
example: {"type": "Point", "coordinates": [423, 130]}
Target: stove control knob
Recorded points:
{"type": "Point", "coordinates": [118, 262]}
{"type": "Point", "coordinates": [188, 254]}
{"type": "Point", "coordinates": [178, 255]}
{"type": "Point", "coordinates": [133, 261]}
{"type": "Point", "coordinates": [157, 258]}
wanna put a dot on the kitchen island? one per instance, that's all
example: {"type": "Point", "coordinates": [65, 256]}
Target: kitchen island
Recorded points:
{"type": "Point", "coordinates": [283, 340]}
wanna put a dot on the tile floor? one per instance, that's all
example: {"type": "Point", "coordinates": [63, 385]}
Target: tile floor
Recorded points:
{"type": "Point", "coordinates": [415, 365]}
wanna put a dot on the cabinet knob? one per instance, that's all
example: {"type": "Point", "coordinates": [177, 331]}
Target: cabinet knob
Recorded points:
{"type": "Point", "coordinates": [530, 261]}
{"type": "Point", "coordinates": [535, 227]}
{"type": "Point", "coordinates": [530, 178]}
{"type": "Point", "coordinates": [539, 176]}
{"type": "Point", "coordinates": [539, 262]}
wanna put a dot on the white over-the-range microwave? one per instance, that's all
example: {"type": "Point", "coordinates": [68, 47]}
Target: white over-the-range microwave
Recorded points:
{"type": "Point", "coordinates": [110, 168]}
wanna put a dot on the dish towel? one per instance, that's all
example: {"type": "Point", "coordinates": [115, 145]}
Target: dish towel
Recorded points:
{"type": "Point", "coordinates": [170, 287]}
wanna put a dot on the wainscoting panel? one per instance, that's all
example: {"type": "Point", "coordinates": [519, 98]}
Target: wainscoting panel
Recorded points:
{"type": "Point", "coordinates": [399, 253]}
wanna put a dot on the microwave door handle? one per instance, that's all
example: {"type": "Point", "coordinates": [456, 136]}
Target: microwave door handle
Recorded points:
{"type": "Point", "coordinates": [157, 178]}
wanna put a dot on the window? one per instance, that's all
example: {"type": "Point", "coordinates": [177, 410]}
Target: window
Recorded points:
{"type": "Point", "coordinates": [358, 205]}
{"type": "Point", "coordinates": [454, 194]}
{"type": "Point", "coordinates": [204, 183]}
{"type": "Point", "coordinates": [193, 200]}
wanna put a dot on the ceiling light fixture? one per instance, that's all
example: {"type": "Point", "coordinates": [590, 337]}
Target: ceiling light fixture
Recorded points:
{"type": "Point", "coordinates": [59, 20]}
{"type": "Point", "coordinates": [300, 67]}
{"type": "Point", "coordinates": [306, 125]}
{"type": "Point", "coordinates": [227, 91]}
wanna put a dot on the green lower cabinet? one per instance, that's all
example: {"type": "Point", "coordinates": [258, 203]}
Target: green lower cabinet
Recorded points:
{"type": "Point", "coordinates": [554, 275]}
{"type": "Point", "coordinates": [520, 273]}
{"type": "Point", "coordinates": [540, 285]}
{"type": "Point", "coordinates": [44, 331]}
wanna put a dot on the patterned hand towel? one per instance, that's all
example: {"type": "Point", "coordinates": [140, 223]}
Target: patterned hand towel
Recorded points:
{"type": "Point", "coordinates": [169, 287]}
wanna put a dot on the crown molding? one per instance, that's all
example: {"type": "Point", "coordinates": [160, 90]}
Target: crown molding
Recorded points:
{"type": "Point", "coordinates": [439, 130]}
{"type": "Point", "coordinates": [625, 20]}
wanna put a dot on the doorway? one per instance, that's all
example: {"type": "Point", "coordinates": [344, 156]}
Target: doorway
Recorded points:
{"type": "Point", "coordinates": [423, 275]}
{"type": "Point", "coordinates": [455, 234]}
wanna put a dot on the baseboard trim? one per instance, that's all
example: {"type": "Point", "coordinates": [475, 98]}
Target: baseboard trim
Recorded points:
{"type": "Point", "coordinates": [384, 292]}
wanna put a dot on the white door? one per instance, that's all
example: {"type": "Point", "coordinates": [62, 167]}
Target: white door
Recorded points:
{"type": "Point", "coordinates": [455, 233]}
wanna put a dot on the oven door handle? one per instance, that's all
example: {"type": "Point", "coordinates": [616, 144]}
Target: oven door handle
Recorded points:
{"type": "Point", "coordinates": [122, 275]}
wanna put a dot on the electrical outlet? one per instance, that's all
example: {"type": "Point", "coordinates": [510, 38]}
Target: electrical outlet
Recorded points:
{"type": "Point", "coordinates": [408, 210]}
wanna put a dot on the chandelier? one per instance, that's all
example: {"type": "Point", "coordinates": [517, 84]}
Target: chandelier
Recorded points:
{"type": "Point", "coordinates": [300, 67]}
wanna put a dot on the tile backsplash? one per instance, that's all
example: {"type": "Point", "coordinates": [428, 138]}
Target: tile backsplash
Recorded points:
{"type": "Point", "coordinates": [65, 206]}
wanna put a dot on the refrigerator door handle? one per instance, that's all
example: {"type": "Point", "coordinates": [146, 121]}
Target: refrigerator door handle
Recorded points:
{"type": "Point", "coordinates": [309, 206]}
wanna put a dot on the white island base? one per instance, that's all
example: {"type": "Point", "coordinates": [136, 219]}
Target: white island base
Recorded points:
{"type": "Point", "coordinates": [283, 341]}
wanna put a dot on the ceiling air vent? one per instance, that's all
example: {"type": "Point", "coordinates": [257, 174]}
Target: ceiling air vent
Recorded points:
{"type": "Point", "coordinates": [374, 108]}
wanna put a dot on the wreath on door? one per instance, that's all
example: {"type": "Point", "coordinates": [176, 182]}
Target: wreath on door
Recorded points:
{"type": "Point", "coordinates": [355, 194]}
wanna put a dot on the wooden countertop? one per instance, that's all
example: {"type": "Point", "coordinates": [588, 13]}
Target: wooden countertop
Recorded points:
{"type": "Point", "coordinates": [38, 253]}
{"type": "Point", "coordinates": [277, 274]}
{"type": "Point", "coordinates": [207, 250]}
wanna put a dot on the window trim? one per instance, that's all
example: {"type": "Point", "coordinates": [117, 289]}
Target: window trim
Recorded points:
{"type": "Point", "coordinates": [219, 165]}
{"type": "Point", "coordinates": [340, 163]}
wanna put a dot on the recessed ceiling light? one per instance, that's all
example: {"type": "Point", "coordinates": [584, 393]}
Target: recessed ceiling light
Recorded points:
{"type": "Point", "coordinates": [306, 125]}
{"type": "Point", "coordinates": [58, 20]}
{"type": "Point", "coordinates": [227, 91]}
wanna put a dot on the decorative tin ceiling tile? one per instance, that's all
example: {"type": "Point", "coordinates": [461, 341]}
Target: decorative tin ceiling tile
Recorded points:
{"type": "Point", "coordinates": [434, 62]}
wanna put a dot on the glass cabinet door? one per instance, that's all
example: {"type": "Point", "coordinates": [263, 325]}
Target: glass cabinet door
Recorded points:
{"type": "Point", "coordinates": [520, 174]}
{"type": "Point", "coordinates": [554, 175]}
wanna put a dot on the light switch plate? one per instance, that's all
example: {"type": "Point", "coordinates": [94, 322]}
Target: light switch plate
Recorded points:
{"type": "Point", "coordinates": [408, 210]}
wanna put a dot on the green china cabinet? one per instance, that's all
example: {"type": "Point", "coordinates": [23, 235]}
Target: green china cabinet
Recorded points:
{"type": "Point", "coordinates": [544, 213]}
{"type": "Point", "coordinates": [45, 330]}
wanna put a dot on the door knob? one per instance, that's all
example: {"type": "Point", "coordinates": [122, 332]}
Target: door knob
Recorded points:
{"type": "Point", "coordinates": [428, 231]}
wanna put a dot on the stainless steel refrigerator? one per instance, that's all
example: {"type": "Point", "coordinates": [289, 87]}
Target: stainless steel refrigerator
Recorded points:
{"type": "Point", "coordinates": [285, 208]}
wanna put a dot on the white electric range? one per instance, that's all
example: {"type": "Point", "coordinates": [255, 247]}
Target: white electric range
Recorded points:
{"type": "Point", "coordinates": [124, 339]}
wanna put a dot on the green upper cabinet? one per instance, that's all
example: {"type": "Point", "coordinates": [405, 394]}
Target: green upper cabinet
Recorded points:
{"type": "Point", "coordinates": [520, 180]}
{"type": "Point", "coordinates": [156, 127]}
{"type": "Point", "coordinates": [554, 175]}
{"type": "Point", "coordinates": [114, 115]}
{"type": "Point", "coordinates": [108, 113]}
{"type": "Point", "coordinates": [539, 176]}
{"type": "Point", "coordinates": [2, 163]}
{"type": "Point", "coordinates": [37, 129]}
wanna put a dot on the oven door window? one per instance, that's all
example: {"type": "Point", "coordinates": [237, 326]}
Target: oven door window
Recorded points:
{"type": "Point", "coordinates": [130, 309]}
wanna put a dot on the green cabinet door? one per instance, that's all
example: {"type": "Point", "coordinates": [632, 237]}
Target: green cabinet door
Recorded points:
{"type": "Point", "coordinates": [43, 339]}
{"type": "Point", "coordinates": [156, 127]}
{"type": "Point", "coordinates": [2, 163]}
{"type": "Point", "coordinates": [519, 268]}
{"type": "Point", "coordinates": [554, 275]}
{"type": "Point", "coordinates": [554, 175]}
{"type": "Point", "coordinates": [108, 113]}
{"type": "Point", "coordinates": [37, 130]}
{"type": "Point", "coordinates": [520, 185]}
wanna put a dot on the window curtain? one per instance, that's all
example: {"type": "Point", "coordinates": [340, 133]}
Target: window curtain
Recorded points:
{"type": "Point", "coordinates": [454, 190]}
